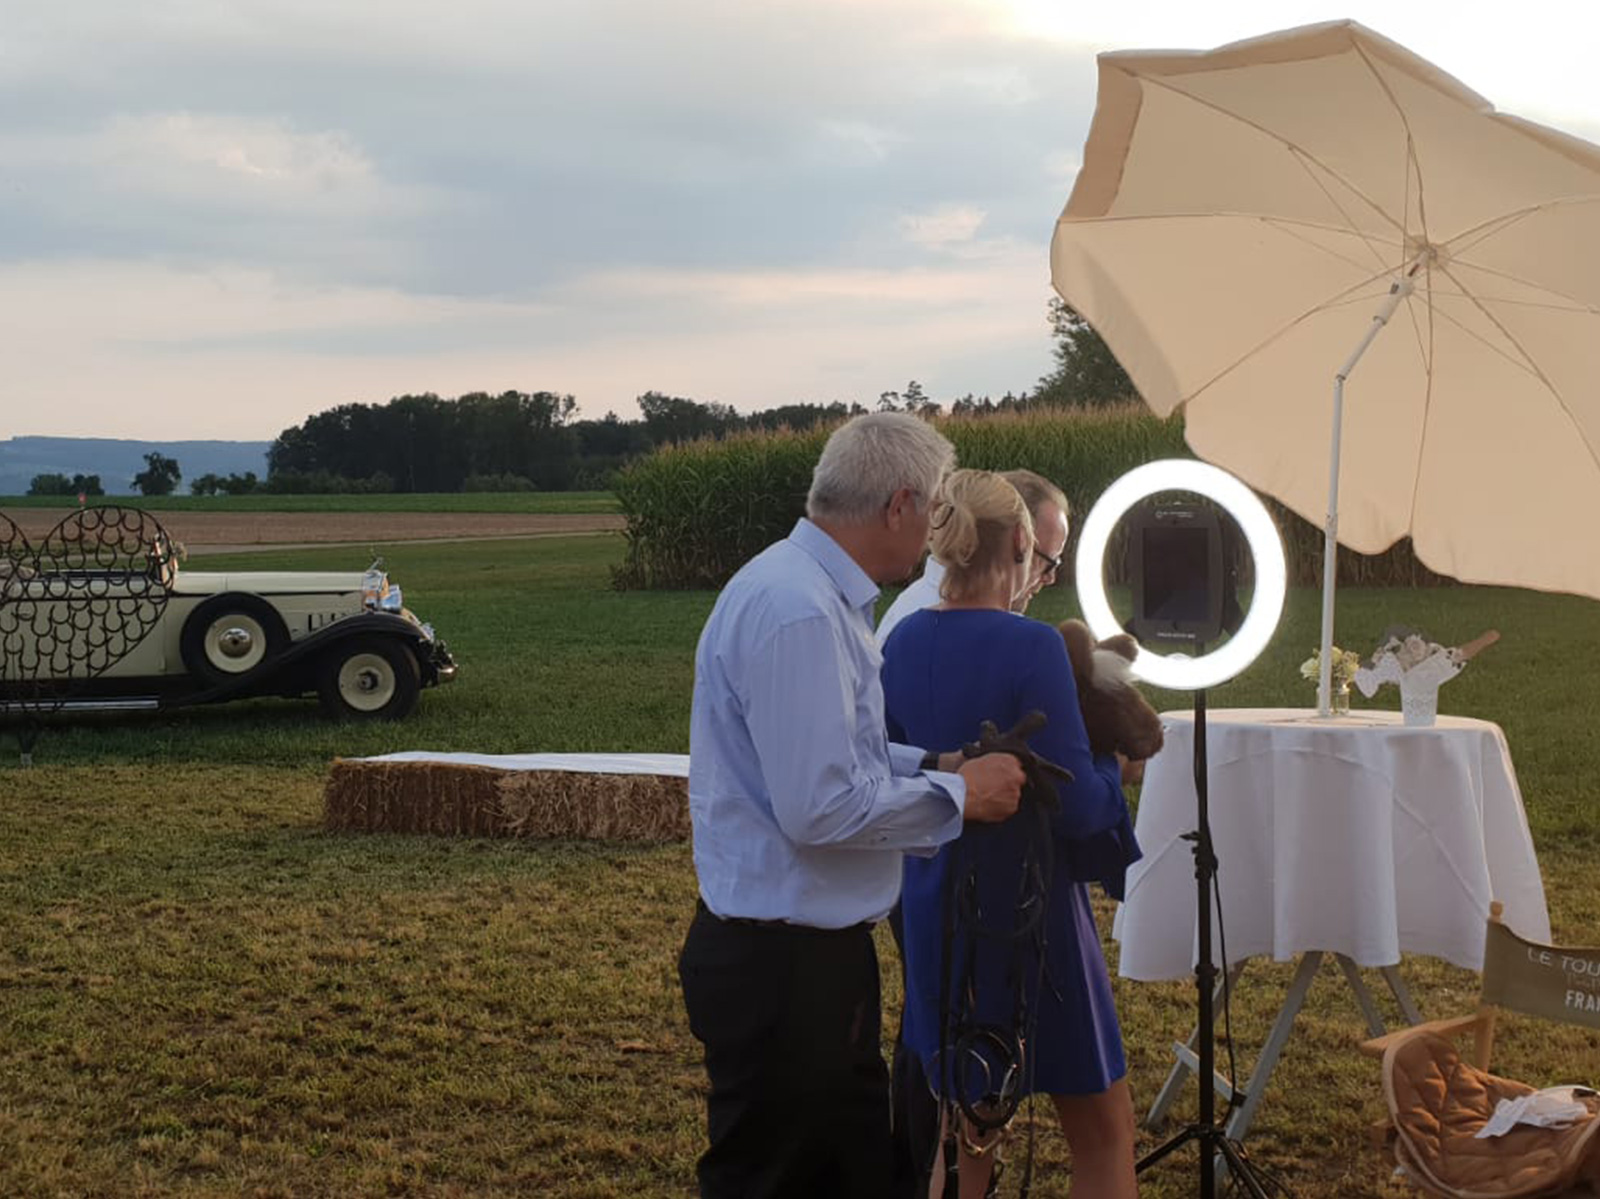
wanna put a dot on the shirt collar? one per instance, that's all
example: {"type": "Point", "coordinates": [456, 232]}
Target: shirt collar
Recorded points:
{"type": "Point", "coordinates": [853, 582]}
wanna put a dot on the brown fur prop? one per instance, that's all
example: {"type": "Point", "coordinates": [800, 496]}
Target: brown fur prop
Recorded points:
{"type": "Point", "coordinates": [1115, 712]}
{"type": "Point", "coordinates": [451, 799]}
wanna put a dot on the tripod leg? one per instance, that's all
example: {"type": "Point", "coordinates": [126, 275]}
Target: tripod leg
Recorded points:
{"type": "Point", "coordinates": [1231, 1159]}
{"type": "Point", "coordinates": [1160, 1151]}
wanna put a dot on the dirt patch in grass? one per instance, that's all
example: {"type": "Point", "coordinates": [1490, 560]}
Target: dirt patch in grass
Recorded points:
{"type": "Point", "coordinates": [215, 532]}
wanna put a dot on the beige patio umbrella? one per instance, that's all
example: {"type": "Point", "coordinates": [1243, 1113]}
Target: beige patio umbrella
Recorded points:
{"type": "Point", "coordinates": [1246, 222]}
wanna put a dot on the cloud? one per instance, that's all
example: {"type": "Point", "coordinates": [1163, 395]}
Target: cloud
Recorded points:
{"type": "Point", "coordinates": [214, 148]}
{"type": "Point", "coordinates": [941, 227]}
{"type": "Point", "coordinates": [240, 213]}
{"type": "Point", "coordinates": [242, 354]}
{"type": "Point", "coordinates": [508, 145]}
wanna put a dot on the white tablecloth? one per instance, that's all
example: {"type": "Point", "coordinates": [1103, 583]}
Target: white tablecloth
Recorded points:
{"type": "Point", "coordinates": [1354, 835]}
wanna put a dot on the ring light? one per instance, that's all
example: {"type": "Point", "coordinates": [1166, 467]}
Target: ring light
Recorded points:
{"type": "Point", "coordinates": [1179, 672]}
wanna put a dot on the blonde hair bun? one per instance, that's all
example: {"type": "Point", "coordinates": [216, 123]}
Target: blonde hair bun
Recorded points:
{"type": "Point", "coordinates": [971, 525]}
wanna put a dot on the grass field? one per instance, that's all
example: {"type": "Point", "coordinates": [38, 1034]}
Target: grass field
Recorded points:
{"type": "Point", "coordinates": [467, 501]}
{"type": "Point", "coordinates": [202, 994]}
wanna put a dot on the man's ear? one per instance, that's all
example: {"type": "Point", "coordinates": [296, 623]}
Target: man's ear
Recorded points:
{"type": "Point", "coordinates": [903, 500]}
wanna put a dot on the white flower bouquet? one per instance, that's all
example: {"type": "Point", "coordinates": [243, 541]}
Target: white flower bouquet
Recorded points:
{"type": "Point", "coordinates": [1419, 666]}
{"type": "Point", "coordinates": [1345, 664]}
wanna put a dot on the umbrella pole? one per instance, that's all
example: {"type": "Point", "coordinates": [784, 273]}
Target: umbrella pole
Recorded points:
{"type": "Point", "coordinates": [1399, 290]}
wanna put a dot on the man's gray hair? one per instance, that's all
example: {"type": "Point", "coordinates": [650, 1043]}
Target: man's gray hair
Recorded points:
{"type": "Point", "coordinates": [1036, 491]}
{"type": "Point", "coordinates": [869, 458]}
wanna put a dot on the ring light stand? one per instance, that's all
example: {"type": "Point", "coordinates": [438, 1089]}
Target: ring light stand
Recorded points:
{"type": "Point", "coordinates": [1194, 673]}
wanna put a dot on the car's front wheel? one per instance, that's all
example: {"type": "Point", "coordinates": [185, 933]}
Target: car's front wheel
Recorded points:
{"type": "Point", "coordinates": [369, 678]}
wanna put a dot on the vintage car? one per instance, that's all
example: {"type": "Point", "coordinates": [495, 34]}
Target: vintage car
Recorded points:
{"type": "Point", "coordinates": [88, 621]}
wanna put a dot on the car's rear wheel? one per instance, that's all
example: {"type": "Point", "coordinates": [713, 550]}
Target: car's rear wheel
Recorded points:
{"type": "Point", "coordinates": [230, 636]}
{"type": "Point", "coordinates": [369, 678]}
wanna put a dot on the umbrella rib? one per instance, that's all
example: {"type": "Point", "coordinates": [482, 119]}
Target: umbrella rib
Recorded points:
{"type": "Point", "coordinates": [1413, 170]}
{"type": "Point", "coordinates": [1281, 223]}
{"type": "Point", "coordinates": [1346, 295]}
{"type": "Point", "coordinates": [1301, 153]}
{"type": "Point", "coordinates": [1528, 363]}
{"type": "Point", "coordinates": [1425, 345]}
{"type": "Point", "coordinates": [1291, 228]}
{"type": "Point", "coordinates": [1479, 234]}
{"type": "Point", "coordinates": [1521, 362]}
{"type": "Point", "coordinates": [1560, 302]}
{"type": "Point", "coordinates": [1413, 167]}
{"type": "Point", "coordinates": [1305, 165]}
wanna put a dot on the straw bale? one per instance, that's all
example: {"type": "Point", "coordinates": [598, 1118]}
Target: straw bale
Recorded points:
{"type": "Point", "coordinates": [450, 799]}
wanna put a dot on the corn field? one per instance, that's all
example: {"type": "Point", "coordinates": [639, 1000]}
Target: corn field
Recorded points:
{"type": "Point", "coordinates": [697, 511]}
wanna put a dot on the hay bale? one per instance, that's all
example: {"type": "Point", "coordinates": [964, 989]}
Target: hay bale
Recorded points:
{"type": "Point", "coordinates": [455, 799]}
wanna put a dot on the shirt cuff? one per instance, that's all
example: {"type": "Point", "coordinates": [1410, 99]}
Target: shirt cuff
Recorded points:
{"type": "Point", "coordinates": [955, 788]}
{"type": "Point", "coordinates": [905, 760]}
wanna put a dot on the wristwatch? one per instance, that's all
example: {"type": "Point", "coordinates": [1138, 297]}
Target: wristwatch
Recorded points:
{"type": "Point", "coordinates": [930, 761]}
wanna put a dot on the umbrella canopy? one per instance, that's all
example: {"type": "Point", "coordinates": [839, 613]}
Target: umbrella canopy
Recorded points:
{"type": "Point", "coordinates": [1242, 215]}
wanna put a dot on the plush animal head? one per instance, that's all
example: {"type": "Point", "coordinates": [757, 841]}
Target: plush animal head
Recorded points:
{"type": "Point", "coordinates": [1115, 712]}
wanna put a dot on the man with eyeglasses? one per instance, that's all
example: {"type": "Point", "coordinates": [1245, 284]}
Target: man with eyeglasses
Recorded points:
{"type": "Point", "coordinates": [1048, 507]}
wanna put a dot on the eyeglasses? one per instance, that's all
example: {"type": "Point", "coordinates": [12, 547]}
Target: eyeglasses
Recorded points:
{"type": "Point", "coordinates": [1051, 565]}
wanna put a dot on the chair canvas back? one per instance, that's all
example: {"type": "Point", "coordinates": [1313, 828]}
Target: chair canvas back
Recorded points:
{"type": "Point", "coordinates": [1540, 980]}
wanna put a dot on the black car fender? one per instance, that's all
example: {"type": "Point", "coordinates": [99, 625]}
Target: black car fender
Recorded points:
{"type": "Point", "coordinates": [293, 671]}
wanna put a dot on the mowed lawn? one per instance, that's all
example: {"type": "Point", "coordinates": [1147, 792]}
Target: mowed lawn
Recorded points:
{"type": "Point", "coordinates": [203, 994]}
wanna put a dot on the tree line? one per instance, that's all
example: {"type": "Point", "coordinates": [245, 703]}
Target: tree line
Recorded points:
{"type": "Point", "coordinates": [519, 441]}
{"type": "Point", "coordinates": [159, 476]}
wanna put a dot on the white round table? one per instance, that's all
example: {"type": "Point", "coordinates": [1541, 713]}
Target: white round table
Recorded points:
{"type": "Point", "coordinates": [1355, 835]}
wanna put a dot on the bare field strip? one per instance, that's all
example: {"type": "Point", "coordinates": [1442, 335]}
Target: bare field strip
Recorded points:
{"type": "Point", "coordinates": [214, 532]}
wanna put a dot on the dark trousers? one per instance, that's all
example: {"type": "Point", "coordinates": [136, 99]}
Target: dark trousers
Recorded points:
{"type": "Point", "coordinates": [789, 1018]}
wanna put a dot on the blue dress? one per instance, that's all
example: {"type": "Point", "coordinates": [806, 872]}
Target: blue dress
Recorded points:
{"type": "Point", "coordinates": [944, 672]}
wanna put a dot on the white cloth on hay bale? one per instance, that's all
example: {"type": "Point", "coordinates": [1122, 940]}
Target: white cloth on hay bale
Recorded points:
{"type": "Point", "coordinates": [671, 765]}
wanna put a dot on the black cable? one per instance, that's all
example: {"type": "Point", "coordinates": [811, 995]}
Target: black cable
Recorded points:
{"type": "Point", "coordinates": [947, 1109]}
{"type": "Point", "coordinates": [1227, 1004]}
{"type": "Point", "coordinates": [998, 1052]}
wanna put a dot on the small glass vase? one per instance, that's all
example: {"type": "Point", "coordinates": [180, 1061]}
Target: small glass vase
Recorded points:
{"type": "Point", "coordinates": [1339, 700]}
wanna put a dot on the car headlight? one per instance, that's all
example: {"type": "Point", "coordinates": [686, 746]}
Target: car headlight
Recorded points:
{"type": "Point", "coordinates": [391, 601]}
{"type": "Point", "coordinates": [374, 588]}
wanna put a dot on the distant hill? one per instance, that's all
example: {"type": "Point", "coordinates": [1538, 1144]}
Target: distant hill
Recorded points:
{"type": "Point", "coordinates": [116, 462]}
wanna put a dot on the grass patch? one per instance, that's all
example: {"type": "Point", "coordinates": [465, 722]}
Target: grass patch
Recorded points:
{"type": "Point", "coordinates": [203, 994]}
{"type": "Point", "coordinates": [538, 502]}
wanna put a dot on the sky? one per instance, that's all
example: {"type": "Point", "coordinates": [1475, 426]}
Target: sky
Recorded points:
{"type": "Point", "coordinates": [218, 218]}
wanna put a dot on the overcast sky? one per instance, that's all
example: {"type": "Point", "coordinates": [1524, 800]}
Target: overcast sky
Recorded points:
{"type": "Point", "coordinates": [218, 217]}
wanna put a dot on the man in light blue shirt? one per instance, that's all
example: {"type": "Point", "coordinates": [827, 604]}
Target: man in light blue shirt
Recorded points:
{"type": "Point", "coordinates": [801, 810]}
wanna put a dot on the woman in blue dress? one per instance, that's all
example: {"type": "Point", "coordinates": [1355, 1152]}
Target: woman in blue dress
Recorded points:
{"type": "Point", "coordinates": [1006, 987]}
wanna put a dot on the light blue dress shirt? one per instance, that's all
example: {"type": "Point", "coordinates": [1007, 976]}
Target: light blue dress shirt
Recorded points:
{"type": "Point", "coordinates": [924, 593]}
{"type": "Point", "coordinates": [801, 806]}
